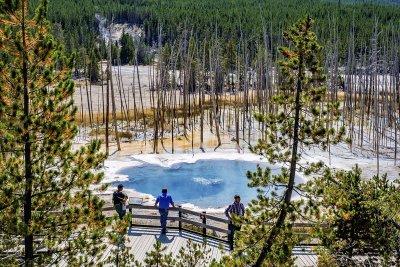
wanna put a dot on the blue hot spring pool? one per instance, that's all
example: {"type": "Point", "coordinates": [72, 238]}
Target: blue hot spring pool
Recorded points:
{"type": "Point", "coordinates": [205, 183]}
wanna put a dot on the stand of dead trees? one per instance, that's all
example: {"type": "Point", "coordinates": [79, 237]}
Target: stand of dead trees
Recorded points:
{"type": "Point", "coordinates": [206, 92]}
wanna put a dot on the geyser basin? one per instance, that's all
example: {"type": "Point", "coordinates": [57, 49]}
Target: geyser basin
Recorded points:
{"type": "Point", "coordinates": [205, 183]}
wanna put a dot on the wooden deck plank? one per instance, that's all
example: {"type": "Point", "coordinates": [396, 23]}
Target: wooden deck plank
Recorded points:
{"type": "Point", "coordinates": [106, 253]}
{"type": "Point", "coordinates": [214, 254]}
{"type": "Point", "coordinates": [150, 241]}
{"type": "Point", "coordinates": [140, 240]}
{"type": "Point", "coordinates": [305, 256]}
{"type": "Point", "coordinates": [180, 242]}
{"type": "Point", "coordinates": [173, 237]}
{"type": "Point", "coordinates": [145, 244]}
{"type": "Point", "coordinates": [139, 246]}
{"type": "Point", "coordinates": [174, 240]}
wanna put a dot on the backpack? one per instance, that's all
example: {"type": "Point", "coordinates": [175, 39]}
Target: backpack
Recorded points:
{"type": "Point", "coordinates": [116, 199]}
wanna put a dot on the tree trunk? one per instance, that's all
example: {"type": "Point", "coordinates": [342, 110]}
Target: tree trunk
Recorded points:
{"type": "Point", "coordinates": [141, 101]}
{"type": "Point", "coordinates": [113, 96]}
{"type": "Point", "coordinates": [288, 195]}
{"type": "Point", "coordinates": [107, 111]}
{"type": "Point", "coordinates": [27, 151]}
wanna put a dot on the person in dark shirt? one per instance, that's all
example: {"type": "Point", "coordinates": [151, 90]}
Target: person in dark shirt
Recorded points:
{"type": "Point", "coordinates": [236, 208]}
{"type": "Point", "coordinates": [163, 201]}
{"type": "Point", "coordinates": [119, 201]}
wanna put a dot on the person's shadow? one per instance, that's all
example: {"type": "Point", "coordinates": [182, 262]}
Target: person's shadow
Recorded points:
{"type": "Point", "coordinates": [164, 239]}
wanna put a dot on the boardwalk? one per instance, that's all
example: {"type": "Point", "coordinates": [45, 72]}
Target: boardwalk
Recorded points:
{"type": "Point", "coordinates": [142, 240]}
{"type": "Point", "coordinates": [142, 237]}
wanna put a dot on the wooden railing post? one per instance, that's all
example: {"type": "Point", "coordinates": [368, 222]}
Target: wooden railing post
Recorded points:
{"type": "Point", "coordinates": [204, 222]}
{"type": "Point", "coordinates": [117, 259]}
{"type": "Point", "coordinates": [180, 217]}
{"type": "Point", "coordinates": [130, 221]}
{"type": "Point", "coordinates": [230, 235]}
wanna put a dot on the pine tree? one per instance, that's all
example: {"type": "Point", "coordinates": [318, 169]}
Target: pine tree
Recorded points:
{"type": "Point", "coordinates": [194, 254]}
{"type": "Point", "coordinates": [303, 119]}
{"type": "Point", "coordinates": [360, 216]}
{"type": "Point", "coordinates": [143, 54]}
{"type": "Point", "coordinates": [191, 255]}
{"type": "Point", "coordinates": [47, 212]}
{"type": "Point", "coordinates": [93, 67]}
{"type": "Point", "coordinates": [157, 257]}
{"type": "Point", "coordinates": [127, 52]}
{"type": "Point", "coordinates": [120, 254]}
{"type": "Point", "coordinates": [115, 53]}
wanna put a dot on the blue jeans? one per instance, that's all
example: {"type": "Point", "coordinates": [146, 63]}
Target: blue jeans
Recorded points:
{"type": "Point", "coordinates": [234, 228]}
{"type": "Point", "coordinates": [120, 211]}
{"type": "Point", "coordinates": [163, 218]}
{"type": "Point", "coordinates": [121, 214]}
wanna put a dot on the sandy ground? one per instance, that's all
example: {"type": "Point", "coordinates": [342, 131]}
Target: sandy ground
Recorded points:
{"type": "Point", "coordinates": [122, 77]}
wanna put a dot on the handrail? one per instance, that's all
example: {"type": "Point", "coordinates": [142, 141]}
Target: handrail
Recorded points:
{"type": "Point", "coordinates": [180, 219]}
{"type": "Point", "coordinates": [214, 218]}
{"type": "Point", "coordinates": [202, 215]}
{"type": "Point", "coordinates": [141, 207]}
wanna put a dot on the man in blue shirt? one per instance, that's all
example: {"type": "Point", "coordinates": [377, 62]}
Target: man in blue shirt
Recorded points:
{"type": "Point", "coordinates": [163, 201]}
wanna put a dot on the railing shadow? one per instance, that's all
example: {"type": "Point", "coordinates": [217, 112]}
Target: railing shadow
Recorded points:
{"type": "Point", "coordinates": [188, 224]}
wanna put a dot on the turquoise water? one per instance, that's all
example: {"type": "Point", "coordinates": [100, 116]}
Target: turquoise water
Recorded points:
{"type": "Point", "coordinates": [205, 183]}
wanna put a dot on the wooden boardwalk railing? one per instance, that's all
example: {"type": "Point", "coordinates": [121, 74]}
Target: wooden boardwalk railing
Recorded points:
{"type": "Point", "coordinates": [207, 222]}
{"type": "Point", "coordinates": [181, 217]}
{"type": "Point", "coordinates": [203, 225]}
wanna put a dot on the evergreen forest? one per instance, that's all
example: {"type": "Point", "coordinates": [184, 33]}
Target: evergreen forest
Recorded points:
{"type": "Point", "coordinates": [309, 87]}
{"type": "Point", "coordinates": [75, 23]}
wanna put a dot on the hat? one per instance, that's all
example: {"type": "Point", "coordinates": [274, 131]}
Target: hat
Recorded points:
{"type": "Point", "coordinates": [120, 185]}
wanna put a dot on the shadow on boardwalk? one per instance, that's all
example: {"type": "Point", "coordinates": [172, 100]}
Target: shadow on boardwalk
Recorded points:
{"type": "Point", "coordinates": [142, 239]}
